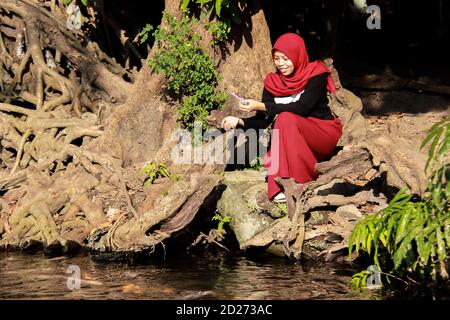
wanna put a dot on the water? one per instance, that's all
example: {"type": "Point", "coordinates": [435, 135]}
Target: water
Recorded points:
{"type": "Point", "coordinates": [34, 276]}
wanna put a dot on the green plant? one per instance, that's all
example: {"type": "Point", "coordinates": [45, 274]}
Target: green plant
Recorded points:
{"type": "Point", "coordinates": [144, 34]}
{"type": "Point", "coordinates": [219, 14]}
{"type": "Point", "coordinates": [222, 221]}
{"type": "Point", "coordinates": [437, 164]}
{"type": "Point", "coordinates": [192, 76]}
{"type": "Point", "coordinates": [226, 10]}
{"type": "Point", "coordinates": [360, 279]}
{"type": "Point", "coordinates": [155, 170]}
{"type": "Point", "coordinates": [281, 207]}
{"type": "Point", "coordinates": [219, 32]}
{"type": "Point", "coordinates": [257, 164]}
{"type": "Point", "coordinates": [413, 237]}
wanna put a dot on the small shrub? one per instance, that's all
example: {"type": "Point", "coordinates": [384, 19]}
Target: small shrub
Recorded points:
{"type": "Point", "coordinates": [257, 164]}
{"type": "Point", "coordinates": [222, 221]}
{"type": "Point", "coordinates": [155, 170]}
{"type": "Point", "coordinates": [191, 72]}
{"type": "Point", "coordinates": [144, 34]}
{"type": "Point", "coordinates": [412, 238]}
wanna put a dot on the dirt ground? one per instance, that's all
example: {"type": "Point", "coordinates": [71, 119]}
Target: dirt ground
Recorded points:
{"type": "Point", "coordinates": [406, 114]}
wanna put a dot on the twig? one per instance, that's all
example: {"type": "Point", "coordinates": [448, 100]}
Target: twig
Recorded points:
{"type": "Point", "coordinates": [3, 48]}
{"type": "Point", "coordinates": [123, 188]}
{"type": "Point", "coordinates": [40, 90]}
{"type": "Point", "coordinates": [12, 108]}
{"type": "Point", "coordinates": [19, 152]}
{"type": "Point", "coordinates": [212, 240]}
{"type": "Point", "coordinates": [18, 73]}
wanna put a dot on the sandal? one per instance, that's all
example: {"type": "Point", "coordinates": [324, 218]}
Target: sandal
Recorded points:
{"type": "Point", "coordinates": [280, 197]}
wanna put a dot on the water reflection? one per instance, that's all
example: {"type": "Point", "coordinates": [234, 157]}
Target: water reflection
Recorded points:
{"type": "Point", "coordinates": [34, 276]}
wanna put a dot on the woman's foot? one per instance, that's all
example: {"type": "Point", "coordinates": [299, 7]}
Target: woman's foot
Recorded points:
{"type": "Point", "coordinates": [280, 197]}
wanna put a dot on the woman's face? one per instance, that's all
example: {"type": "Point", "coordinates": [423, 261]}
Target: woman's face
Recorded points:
{"type": "Point", "coordinates": [283, 64]}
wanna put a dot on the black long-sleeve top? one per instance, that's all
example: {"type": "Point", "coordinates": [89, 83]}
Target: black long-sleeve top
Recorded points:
{"type": "Point", "coordinates": [313, 102]}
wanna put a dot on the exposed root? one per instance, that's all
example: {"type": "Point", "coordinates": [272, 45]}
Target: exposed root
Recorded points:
{"type": "Point", "coordinates": [47, 82]}
{"type": "Point", "coordinates": [20, 151]}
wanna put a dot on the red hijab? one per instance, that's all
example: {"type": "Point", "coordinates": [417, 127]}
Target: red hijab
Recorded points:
{"type": "Point", "coordinates": [293, 46]}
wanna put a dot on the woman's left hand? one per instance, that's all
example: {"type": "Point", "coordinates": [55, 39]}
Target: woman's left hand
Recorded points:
{"type": "Point", "coordinates": [251, 105]}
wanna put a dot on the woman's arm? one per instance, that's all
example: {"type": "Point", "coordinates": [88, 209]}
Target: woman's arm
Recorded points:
{"type": "Point", "coordinates": [259, 121]}
{"type": "Point", "coordinates": [314, 90]}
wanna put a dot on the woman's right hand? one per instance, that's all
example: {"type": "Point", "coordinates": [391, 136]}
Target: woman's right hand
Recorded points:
{"type": "Point", "coordinates": [231, 122]}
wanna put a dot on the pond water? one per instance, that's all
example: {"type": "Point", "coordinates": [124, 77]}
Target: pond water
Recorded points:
{"type": "Point", "coordinates": [35, 276]}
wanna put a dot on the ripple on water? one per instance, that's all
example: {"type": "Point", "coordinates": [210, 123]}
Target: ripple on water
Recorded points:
{"type": "Point", "coordinates": [34, 276]}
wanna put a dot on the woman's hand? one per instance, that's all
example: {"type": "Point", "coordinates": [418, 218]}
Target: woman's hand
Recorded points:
{"type": "Point", "coordinates": [231, 122]}
{"type": "Point", "coordinates": [251, 105]}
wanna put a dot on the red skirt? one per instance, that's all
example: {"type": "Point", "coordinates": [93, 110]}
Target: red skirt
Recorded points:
{"type": "Point", "coordinates": [297, 145]}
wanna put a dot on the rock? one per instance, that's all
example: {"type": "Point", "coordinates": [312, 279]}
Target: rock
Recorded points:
{"type": "Point", "coordinates": [349, 212]}
{"type": "Point", "coordinates": [238, 201]}
{"type": "Point", "coordinates": [276, 249]}
{"type": "Point", "coordinates": [245, 176]}
{"type": "Point", "coordinates": [347, 107]}
{"type": "Point", "coordinates": [404, 167]}
{"type": "Point", "coordinates": [318, 217]}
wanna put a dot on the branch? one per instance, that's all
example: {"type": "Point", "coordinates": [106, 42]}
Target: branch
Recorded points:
{"type": "Point", "coordinates": [19, 152]}
{"type": "Point", "coordinates": [11, 108]}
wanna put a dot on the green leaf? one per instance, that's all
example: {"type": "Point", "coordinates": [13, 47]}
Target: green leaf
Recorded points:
{"type": "Point", "coordinates": [431, 152]}
{"type": "Point", "coordinates": [383, 239]}
{"type": "Point", "coordinates": [447, 234]}
{"type": "Point", "coordinates": [405, 248]}
{"type": "Point", "coordinates": [358, 238]}
{"type": "Point", "coordinates": [433, 131]}
{"type": "Point", "coordinates": [426, 253]}
{"type": "Point", "coordinates": [85, 2]}
{"type": "Point", "coordinates": [440, 245]}
{"type": "Point", "coordinates": [400, 234]}
{"type": "Point", "coordinates": [368, 243]}
{"type": "Point", "coordinates": [227, 219]}
{"type": "Point", "coordinates": [364, 236]}
{"type": "Point", "coordinates": [184, 5]}
{"type": "Point", "coordinates": [400, 254]}
{"type": "Point", "coordinates": [392, 220]}
{"type": "Point", "coordinates": [67, 2]}
{"type": "Point", "coordinates": [436, 196]}
{"type": "Point", "coordinates": [375, 257]}
{"type": "Point", "coordinates": [218, 7]}
{"type": "Point", "coordinates": [421, 248]}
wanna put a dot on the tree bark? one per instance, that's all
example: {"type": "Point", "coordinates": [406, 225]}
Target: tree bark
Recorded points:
{"type": "Point", "coordinates": [92, 189]}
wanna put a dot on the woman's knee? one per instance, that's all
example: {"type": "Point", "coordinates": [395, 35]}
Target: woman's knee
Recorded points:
{"type": "Point", "coordinates": [286, 117]}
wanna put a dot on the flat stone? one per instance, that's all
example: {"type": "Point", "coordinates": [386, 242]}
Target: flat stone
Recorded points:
{"type": "Point", "coordinates": [349, 212]}
{"type": "Point", "coordinates": [318, 217]}
{"type": "Point", "coordinates": [246, 218]}
{"type": "Point", "coordinates": [244, 176]}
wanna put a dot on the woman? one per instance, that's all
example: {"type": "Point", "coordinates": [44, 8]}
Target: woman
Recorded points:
{"type": "Point", "coordinates": [307, 130]}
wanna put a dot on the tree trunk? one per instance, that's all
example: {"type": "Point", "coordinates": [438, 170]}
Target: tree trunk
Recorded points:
{"type": "Point", "coordinates": [72, 174]}
{"type": "Point", "coordinates": [250, 56]}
